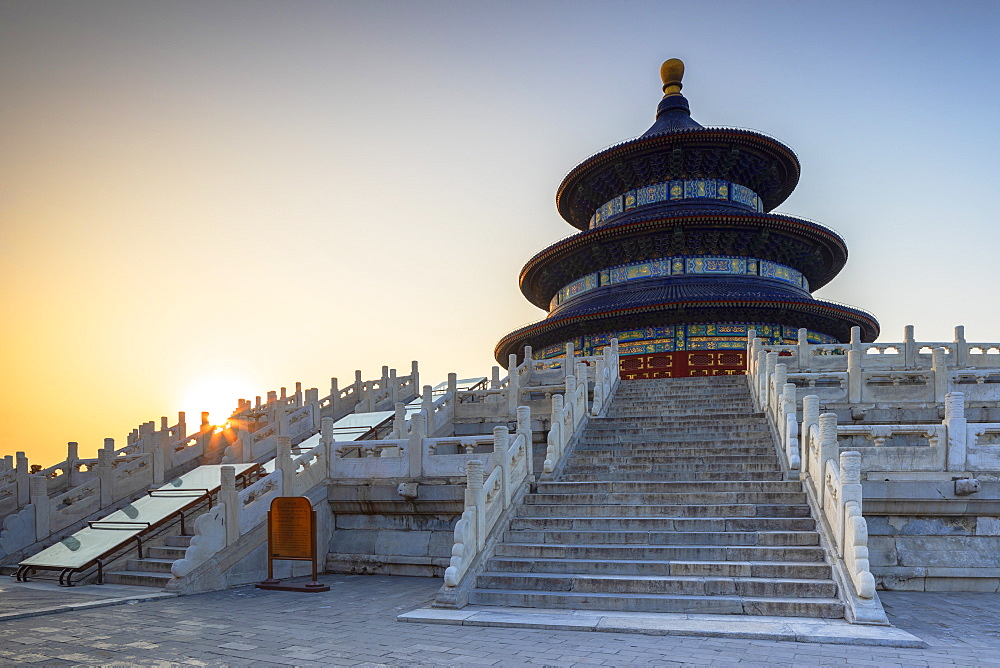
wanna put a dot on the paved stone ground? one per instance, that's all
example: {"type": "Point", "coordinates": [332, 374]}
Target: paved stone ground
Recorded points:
{"type": "Point", "coordinates": [26, 599]}
{"type": "Point", "coordinates": [354, 624]}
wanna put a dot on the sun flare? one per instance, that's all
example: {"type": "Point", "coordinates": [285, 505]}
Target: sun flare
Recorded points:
{"type": "Point", "coordinates": [216, 394]}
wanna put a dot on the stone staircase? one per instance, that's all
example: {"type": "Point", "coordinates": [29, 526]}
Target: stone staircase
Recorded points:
{"type": "Point", "coordinates": [674, 502]}
{"type": "Point", "coordinates": [153, 570]}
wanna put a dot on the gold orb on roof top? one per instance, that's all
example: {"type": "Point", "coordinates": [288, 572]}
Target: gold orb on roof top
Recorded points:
{"type": "Point", "coordinates": [671, 72]}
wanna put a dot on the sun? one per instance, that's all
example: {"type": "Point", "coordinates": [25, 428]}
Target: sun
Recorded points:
{"type": "Point", "coordinates": [216, 394]}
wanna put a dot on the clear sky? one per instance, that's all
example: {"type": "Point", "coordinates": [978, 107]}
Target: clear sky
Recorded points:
{"type": "Point", "coordinates": [207, 199]}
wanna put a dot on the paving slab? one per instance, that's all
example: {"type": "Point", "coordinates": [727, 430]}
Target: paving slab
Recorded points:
{"type": "Point", "coordinates": [830, 631]}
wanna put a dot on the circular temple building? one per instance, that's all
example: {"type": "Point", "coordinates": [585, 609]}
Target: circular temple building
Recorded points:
{"type": "Point", "coordinates": [679, 255]}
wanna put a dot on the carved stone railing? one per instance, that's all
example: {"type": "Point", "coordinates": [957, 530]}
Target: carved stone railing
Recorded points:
{"type": "Point", "coordinates": [570, 410]}
{"type": "Point", "coordinates": [489, 492]}
{"type": "Point", "coordinates": [833, 484]}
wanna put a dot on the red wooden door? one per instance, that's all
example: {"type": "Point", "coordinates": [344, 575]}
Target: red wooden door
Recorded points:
{"type": "Point", "coordinates": [684, 364]}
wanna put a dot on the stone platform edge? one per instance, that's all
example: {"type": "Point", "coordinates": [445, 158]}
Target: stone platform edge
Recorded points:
{"type": "Point", "coordinates": [808, 630]}
{"type": "Point", "coordinates": [85, 605]}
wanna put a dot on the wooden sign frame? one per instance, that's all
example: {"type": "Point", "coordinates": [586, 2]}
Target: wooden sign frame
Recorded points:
{"type": "Point", "coordinates": [291, 536]}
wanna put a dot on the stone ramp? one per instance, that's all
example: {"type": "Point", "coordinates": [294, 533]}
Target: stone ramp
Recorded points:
{"type": "Point", "coordinates": [673, 503]}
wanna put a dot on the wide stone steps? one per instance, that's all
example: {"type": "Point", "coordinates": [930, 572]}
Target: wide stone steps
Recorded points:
{"type": "Point", "coordinates": [713, 553]}
{"type": "Point", "coordinates": [674, 502]}
{"type": "Point", "coordinates": [701, 510]}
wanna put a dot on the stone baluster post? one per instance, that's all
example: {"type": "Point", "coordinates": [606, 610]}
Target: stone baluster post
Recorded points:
{"type": "Point", "coordinates": [230, 499]}
{"type": "Point", "coordinates": [297, 397]}
{"type": "Point", "coordinates": [415, 443]}
{"type": "Point", "coordinates": [399, 421]}
{"type": "Point", "coordinates": [556, 423]}
{"type": "Point", "coordinates": [939, 367]}
{"type": "Point", "coordinates": [312, 400]}
{"type": "Point", "coordinates": [788, 392]}
{"type": "Point", "coordinates": [414, 376]}
{"type": "Point", "coordinates": [159, 453]}
{"type": "Point", "coordinates": [495, 378]}
{"type": "Point", "coordinates": [326, 436]}
{"type": "Point", "coordinates": [570, 354]}
{"type": "Point", "coordinates": [957, 431]}
{"type": "Point", "coordinates": [427, 406]}
{"type": "Point", "coordinates": [524, 427]}
{"type": "Point", "coordinates": [334, 396]}
{"type": "Point", "coordinates": [810, 417]}
{"type": "Point", "coordinates": [21, 476]}
{"type": "Point", "coordinates": [257, 402]}
{"type": "Point", "coordinates": [777, 387]}
{"type": "Point", "coordinates": [474, 495]}
{"type": "Point", "coordinates": [855, 377]}
{"type": "Point", "coordinates": [106, 471]}
{"type": "Point", "coordinates": [384, 380]}
{"type": "Point", "coordinates": [513, 385]}
{"type": "Point", "coordinates": [529, 367]}
{"type": "Point", "coordinates": [850, 493]}
{"type": "Point", "coordinates": [453, 387]}
{"type": "Point", "coordinates": [856, 339]}
{"type": "Point", "coordinates": [961, 348]}
{"type": "Point", "coordinates": [6, 463]}
{"type": "Point", "coordinates": [761, 387]}
{"type": "Point", "coordinates": [828, 449]}
{"type": "Point", "coordinates": [501, 444]}
{"type": "Point", "coordinates": [38, 493]}
{"type": "Point", "coordinates": [72, 457]}
{"type": "Point", "coordinates": [166, 446]}
{"type": "Point", "coordinates": [359, 386]}
{"type": "Point", "coordinates": [770, 362]}
{"type": "Point", "coordinates": [909, 348]}
{"type": "Point", "coordinates": [393, 387]}
{"type": "Point", "coordinates": [581, 377]}
{"type": "Point", "coordinates": [803, 354]}
{"type": "Point", "coordinates": [285, 464]}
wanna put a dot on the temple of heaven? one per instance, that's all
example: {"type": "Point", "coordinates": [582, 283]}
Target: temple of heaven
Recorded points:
{"type": "Point", "coordinates": [679, 255]}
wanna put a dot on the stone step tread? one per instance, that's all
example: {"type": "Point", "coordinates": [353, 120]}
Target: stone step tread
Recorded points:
{"type": "Point", "coordinates": [656, 578]}
{"type": "Point", "coordinates": [533, 561]}
{"type": "Point", "coordinates": [655, 486]}
{"type": "Point", "coordinates": [677, 476]}
{"type": "Point", "coordinates": [626, 519]}
{"type": "Point", "coordinates": [649, 537]}
{"type": "Point", "coordinates": [677, 499]}
{"type": "Point", "coordinates": [812, 554]}
{"type": "Point", "coordinates": [659, 511]}
{"type": "Point", "coordinates": [141, 574]}
{"type": "Point", "coordinates": [153, 560]}
{"type": "Point", "coordinates": [748, 604]}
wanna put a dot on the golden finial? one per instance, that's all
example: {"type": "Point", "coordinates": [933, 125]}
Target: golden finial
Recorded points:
{"type": "Point", "coordinates": [672, 71]}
